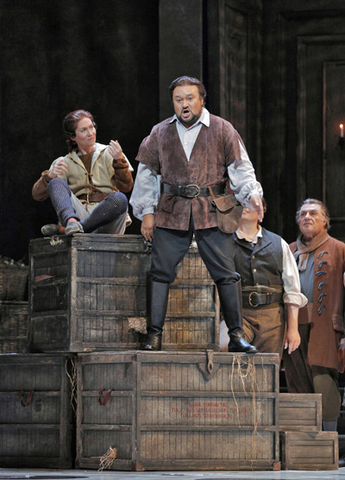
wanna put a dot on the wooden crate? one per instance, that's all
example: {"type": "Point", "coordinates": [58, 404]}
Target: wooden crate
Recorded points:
{"type": "Point", "coordinates": [309, 450]}
{"type": "Point", "coordinates": [13, 282]}
{"type": "Point", "coordinates": [88, 292]}
{"type": "Point", "coordinates": [36, 421]}
{"type": "Point", "coordinates": [178, 411]}
{"type": "Point", "coordinates": [300, 412]}
{"type": "Point", "coordinates": [14, 327]}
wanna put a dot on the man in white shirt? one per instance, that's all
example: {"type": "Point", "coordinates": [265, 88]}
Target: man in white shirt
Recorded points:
{"type": "Point", "coordinates": [270, 286]}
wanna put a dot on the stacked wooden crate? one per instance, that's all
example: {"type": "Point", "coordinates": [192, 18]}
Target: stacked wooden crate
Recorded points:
{"type": "Point", "coordinates": [303, 444]}
{"type": "Point", "coordinates": [14, 322]}
{"type": "Point", "coordinates": [187, 407]}
{"type": "Point", "coordinates": [36, 422]}
{"type": "Point", "coordinates": [88, 293]}
{"type": "Point", "coordinates": [178, 411]}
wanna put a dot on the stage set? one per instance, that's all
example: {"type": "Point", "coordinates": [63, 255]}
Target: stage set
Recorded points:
{"type": "Point", "coordinates": [76, 391]}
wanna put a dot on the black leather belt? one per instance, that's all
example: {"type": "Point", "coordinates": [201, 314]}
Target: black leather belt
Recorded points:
{"type": "Point", "coordinates": [256, 299]}
{"type": "Point", "coordinates": [192, 190]}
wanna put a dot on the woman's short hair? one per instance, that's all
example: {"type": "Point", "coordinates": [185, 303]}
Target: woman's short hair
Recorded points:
{"type": "Point", "coordinates": [324, 210]}
{"type": "Point", "coordinates": [70, 123]}
{"type": "Point", "coordinates": [185, 80]}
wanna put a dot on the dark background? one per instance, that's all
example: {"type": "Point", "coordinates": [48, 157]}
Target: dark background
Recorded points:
{"type": "Point", "coordinates": [57, 57]}
{"type": "Point", "coordinates": [274, 68]}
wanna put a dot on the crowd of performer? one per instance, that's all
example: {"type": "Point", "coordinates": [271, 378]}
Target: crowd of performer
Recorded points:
{"type": "Point", "coordinates": [274, 298]}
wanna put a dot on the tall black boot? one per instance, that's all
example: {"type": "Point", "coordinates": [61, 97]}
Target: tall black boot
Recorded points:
{"type": "Point", "coordinates": [156, 305]}
{"type": "Point", "coordinates": [230, 297]}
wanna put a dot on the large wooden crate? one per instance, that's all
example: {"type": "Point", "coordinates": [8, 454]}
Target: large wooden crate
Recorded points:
{"type": "Point", "coordinates": [14, 327]}
{"type": "Point", "coordinates": [178, 411]}
{"type": "Point", "coordinates": [309, 450]}
{"type": "Point", "coordinates": [88, 292]}
{"type": "Point", "coordinates": [37, 427]}
{"type": "Point", "coordinates": [300, 412]}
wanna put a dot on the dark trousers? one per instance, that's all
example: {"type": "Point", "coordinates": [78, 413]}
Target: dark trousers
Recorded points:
{"type": "Point", "coordinates": [170, 246]}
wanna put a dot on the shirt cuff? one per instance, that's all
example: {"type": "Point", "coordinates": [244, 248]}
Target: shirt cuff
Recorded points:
{"type": "Point", "coordinates": [246, 199]}
{"type": "Point", "coordinates": [148, 211]}
{"type": "Point", "coordinates": [296, 298]}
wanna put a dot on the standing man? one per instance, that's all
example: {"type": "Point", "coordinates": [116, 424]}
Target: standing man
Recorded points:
{"type": "Point", "coordinates": [270, 286]}
{"type": "Point", "coordinates": [313, 367]}
{"type": "Point", "coordinates": [191, 151]}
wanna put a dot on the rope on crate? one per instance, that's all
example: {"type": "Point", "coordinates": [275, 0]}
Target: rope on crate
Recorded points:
{"type": "Point", "coordinates": [209, 361]}
{"type": "Point", "coordinates": [107, 460]}
{"type": "Point", "coordinates": [245, 370]}
{"type": "Point", "coordinates": [71, 366]}
{"type": "Point", "coordinates": [55, 240]}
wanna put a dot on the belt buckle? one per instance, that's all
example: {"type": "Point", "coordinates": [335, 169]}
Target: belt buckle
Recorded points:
{"type": "Point", "coordinates": [193, 185]}
{"type": "Point", "coordinates": [250, 300]}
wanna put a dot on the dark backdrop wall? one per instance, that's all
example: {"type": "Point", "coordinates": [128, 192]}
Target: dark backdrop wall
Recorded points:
{"type": "Point", "coordinates": [303, 103]}
{"type": "Point", "coordinates": [275, 69]}
{"type": "Point", "coordinates": [58, 56]}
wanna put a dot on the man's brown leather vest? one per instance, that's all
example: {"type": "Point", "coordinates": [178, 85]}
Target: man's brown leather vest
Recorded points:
{"type": "Point", "coordinates": [216, 147]}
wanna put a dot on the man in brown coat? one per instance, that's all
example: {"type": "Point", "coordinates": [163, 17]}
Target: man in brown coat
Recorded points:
{"type": "Point", "coordinates": [313, 367]}
{"type": "Point", "coordinates": [191, 151]}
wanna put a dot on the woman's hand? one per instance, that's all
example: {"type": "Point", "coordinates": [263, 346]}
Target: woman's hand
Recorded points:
{"type": "Point", "coordinates": [58, 169]}
{"type": "Point", "coordinates": [115, 150]}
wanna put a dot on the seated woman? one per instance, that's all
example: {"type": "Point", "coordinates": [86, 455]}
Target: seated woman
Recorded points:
{"type": "Point", "coordinates": [85, 186]}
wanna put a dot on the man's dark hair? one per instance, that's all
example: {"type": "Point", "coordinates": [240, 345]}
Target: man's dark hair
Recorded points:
{"type": "Point", "coordinates": [185, 80]}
